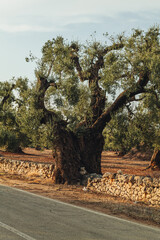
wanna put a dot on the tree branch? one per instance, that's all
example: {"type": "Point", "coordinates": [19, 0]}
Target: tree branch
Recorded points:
{"type": "Point", "coordinates": [81, 74]}
{"type": "Point", "coordinates": [121, 100]}
{"type": "Point", "coordinates": [93, 70]}
{"type": "Point", "coordinates": [50, 68]}
{"type": "Point", "coordinates": [7, 95]}
{"type": "Point", "coordinates": [134, 99]}
{"type": "Point", "coordinates": [42, 86]}
{"type": "Point", "coordinates": [115, 46]}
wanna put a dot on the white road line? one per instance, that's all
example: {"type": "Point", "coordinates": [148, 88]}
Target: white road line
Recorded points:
{"type": "Point", "coordinates": [11, 229]}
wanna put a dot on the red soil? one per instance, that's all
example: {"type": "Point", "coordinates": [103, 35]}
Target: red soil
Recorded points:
{"type": "Point", "coordinates": [111, 162]}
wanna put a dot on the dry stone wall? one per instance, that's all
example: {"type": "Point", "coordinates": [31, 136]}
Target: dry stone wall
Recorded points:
{"type": "Point", "coordinates": [43, 170]}
{"type": "Point", "coordinates": [134, 188]}
{"type": "Point", "coordinates": [130, 187]}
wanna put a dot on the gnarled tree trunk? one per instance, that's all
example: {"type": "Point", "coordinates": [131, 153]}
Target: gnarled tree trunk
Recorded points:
{"type": "Point", "coordinates": [155, 160]}
{"type": "Point", "coordinates": [67, 156]}
{"type": "Point", "coordinates": [91, 147]}
{"type": "Point", "coordinates": [72, 152]}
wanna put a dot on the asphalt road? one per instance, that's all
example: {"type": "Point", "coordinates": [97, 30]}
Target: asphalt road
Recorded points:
{"type": "Point", "coordinates": [31, 217]}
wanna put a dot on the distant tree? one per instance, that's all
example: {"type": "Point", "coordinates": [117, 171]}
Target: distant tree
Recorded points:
{"type": "Point", "coordinates": [9, 136]}
{"type": "Point", "coordinates": [151, 108]}
{"type": "Point", "coordinates": [121, 134]}
{"type": "Point", "coordinates": [79, 79]}
{"type": "Point", "coordinates": [131, 128]}
{"type": "Point", "coordinates": [12, 97]}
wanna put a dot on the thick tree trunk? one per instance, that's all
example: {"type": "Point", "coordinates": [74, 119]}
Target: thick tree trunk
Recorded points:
{"type": "Point", "coordinates": [72, 152]}
{"type": "Point", "coordinates": [67, 156]}
{"type": "Point", "coordinates": [91, 147]}
{"type": "Point", "coordinates": [155, 160]}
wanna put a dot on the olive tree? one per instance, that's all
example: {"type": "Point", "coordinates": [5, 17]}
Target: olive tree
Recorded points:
{"type": "Point", "coordinates": [74, 82]}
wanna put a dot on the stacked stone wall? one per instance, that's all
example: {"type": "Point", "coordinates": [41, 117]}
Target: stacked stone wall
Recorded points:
{"type": "Point", "coordinates": [131, 187]}
{"type": "Point", "coordinates": [135, 188]}
{"type": "Point", "coordinates": [43, 170]}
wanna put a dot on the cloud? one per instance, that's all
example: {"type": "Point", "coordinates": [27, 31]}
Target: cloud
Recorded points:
{"type": "Point", "coordinates": [26, 24]}
{"type": "Point", "coordinates": [30, 23]}
{"type": "Point", "coordinates": [62, 15]}
{"type": "Point", "coordinates": [26, 28]}
{"type": "Point", "coordinates": [118, 23]}
{"type": "Point", "coordinates": [81, 24]}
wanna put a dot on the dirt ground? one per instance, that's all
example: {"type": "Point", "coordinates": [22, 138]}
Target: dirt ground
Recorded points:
{"type": "Point", "coordinates": [78, 195]}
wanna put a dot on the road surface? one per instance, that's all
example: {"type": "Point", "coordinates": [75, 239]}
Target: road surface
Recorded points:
{"type": "Point", "coordinates": [28, 216]}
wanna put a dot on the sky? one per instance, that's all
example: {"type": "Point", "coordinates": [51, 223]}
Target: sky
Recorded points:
{"type": "Point", "coordinates": [25, 25]}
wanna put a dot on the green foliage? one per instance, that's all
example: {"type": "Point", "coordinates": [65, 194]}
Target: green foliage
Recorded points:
{"type": "Point", "coordinates": [29, 120]}
{"type": "Point", "coordinates": [121, 68]}
{"type": "Point", "coordinates": [13, 141]}
{"type": "Point", "coordinates": [14, 130]}
{"type": "Point", "coordinates": [121, 134]}
{"type": "Point", "coordinates": [137, 128]}
{"type": "Point", "coordinates": [11, 135]}
{"type": "Point", "coordinates": [74, 76]}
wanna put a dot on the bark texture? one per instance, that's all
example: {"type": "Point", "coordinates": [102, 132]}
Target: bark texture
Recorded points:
{"type": "Point", "coordinates": [91, 147]}
{"type": "Point", "coordinates": [155, 160]}
{"type": "Point", "coordinates": [67, 156]}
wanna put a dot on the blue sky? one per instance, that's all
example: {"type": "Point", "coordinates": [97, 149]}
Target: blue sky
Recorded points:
{"type": "Point", "coordinates": [25, 25]}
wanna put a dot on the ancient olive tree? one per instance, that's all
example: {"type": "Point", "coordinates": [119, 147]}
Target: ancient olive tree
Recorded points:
{"type": "Point", "coordinates": [74, 82]}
